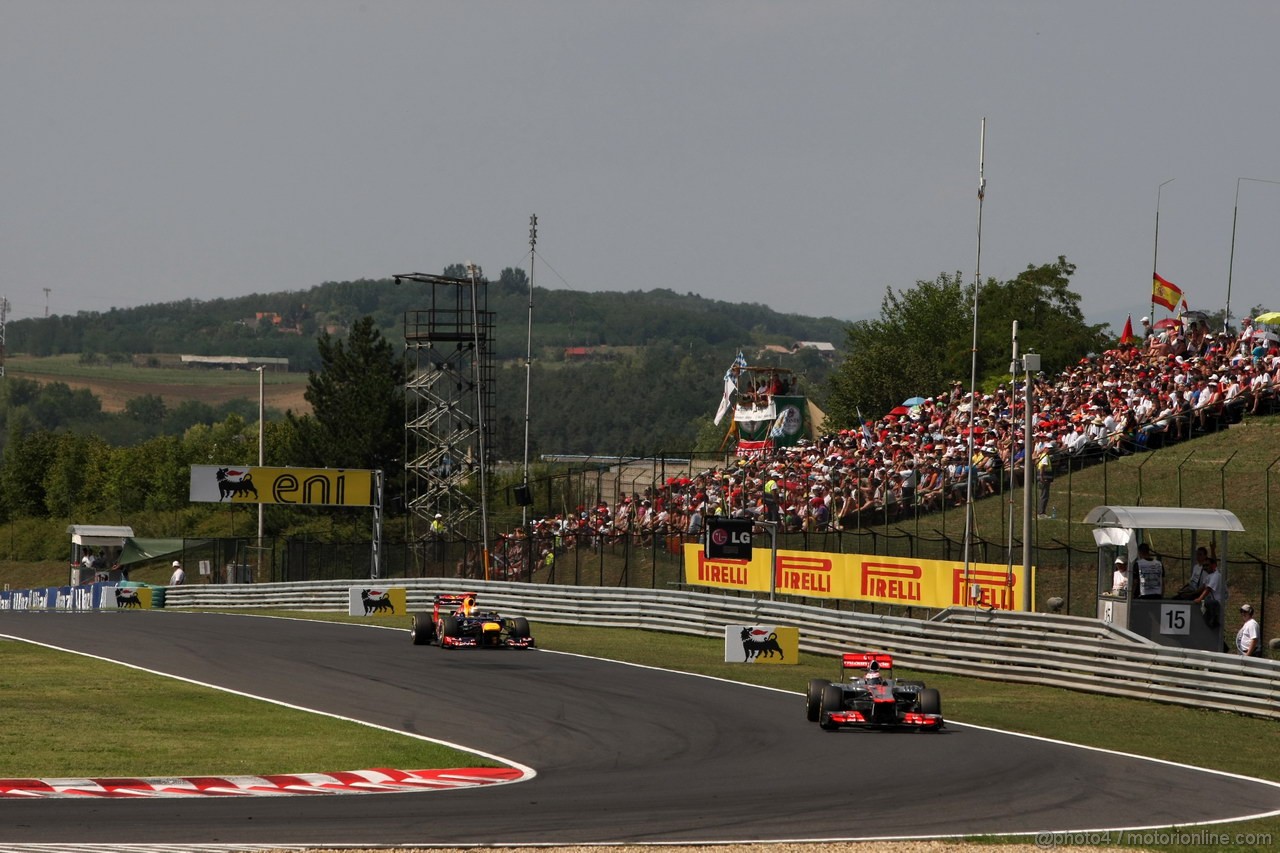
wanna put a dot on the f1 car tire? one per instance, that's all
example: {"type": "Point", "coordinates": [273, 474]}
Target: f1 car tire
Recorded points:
{"type": "Point", "coordinates": [813, 699]}
{"type": "Point", "coordinates": [930, 701]}
{"type": "Point", "coordinates": [832, 701]}
{"type": "Point", "coordinates": [519, 627]}
{"type": "Point", "coordinates": [424, 629]}
{"type": "Point", "coordinates": [449, 626]}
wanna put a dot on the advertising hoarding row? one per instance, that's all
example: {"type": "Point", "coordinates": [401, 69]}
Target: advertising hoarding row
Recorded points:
{"type": "Point", "coordinates": [97, 596]}
{"type": "Point", "coordinates": [862, 577]}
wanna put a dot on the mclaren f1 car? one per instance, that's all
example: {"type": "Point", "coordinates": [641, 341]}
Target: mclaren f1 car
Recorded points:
{"type": "Point", "coordinates": [457, 622]}
{"type": "Point", "coordinates": [869, 698]}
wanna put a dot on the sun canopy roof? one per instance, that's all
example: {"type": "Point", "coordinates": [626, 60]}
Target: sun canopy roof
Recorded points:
{"type": "Point", "coordinates": [1164, 517]}
{"type": "Point", "coordinates": [99, 534]}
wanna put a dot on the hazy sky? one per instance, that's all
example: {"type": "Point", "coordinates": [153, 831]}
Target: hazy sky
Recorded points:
{"type": "Point", "coordinates": [800, 154]}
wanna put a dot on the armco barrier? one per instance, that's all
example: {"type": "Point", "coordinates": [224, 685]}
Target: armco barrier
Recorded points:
{"type": "Point", "coordinates": [1034, 648]}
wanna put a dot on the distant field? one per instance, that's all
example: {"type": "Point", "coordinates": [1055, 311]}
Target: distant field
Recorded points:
{"type": "Point", "coordinates": [116, 384]}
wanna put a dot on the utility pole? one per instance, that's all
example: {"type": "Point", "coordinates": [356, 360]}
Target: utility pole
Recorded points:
{"type": "Point", "coordinates": [4, 319]}
{"type": "Point", "coordinates": [524, 497]}
{"type": "Point", "coordinates": [46, 301]}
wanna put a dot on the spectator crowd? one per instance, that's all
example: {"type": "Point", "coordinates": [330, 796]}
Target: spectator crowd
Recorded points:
{"type": "Point", "coordinates": [1167, 386]}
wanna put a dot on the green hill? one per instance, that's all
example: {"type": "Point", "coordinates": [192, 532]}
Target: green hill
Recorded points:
{"type": "Point", "coordinates": [612, 373]}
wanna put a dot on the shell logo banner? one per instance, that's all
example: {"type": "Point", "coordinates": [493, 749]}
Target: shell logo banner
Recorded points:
{"type": "Point", "coordinates": [261, 485]}
{"type": "Point", "coordinates": [863, 577]}
{"type": "Point", "coordinates": [763, 644]}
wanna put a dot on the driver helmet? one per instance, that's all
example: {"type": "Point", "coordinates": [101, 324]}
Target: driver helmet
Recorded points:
{"type": "Point", "coordinates": [873, 673]}
{"type": "Point", "coordinates": [468, 605]}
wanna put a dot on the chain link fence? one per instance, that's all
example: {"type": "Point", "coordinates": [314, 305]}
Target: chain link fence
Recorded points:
{"type": "Point", "coordinates": [1062, 548]}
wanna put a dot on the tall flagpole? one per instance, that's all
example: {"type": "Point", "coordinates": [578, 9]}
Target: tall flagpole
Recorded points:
{"type": "Point", "coordinates": [1231, 261]}
{"type": "Point", "coordinates": [1155, 269]}
{"type": "Point", "coordinates": [973, 359]}
{"type": "Point", "coordinates": [528, 366]}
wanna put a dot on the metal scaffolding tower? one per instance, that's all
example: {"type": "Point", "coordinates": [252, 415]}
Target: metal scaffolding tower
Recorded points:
{"type": "Point", "coordinates": [449, 407]}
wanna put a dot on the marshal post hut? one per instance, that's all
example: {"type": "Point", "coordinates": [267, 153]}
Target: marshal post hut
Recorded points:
{"type": "Point", "coordinates": [1166, 618]}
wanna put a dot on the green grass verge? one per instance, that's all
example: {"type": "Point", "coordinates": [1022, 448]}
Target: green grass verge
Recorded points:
{"type": "Point", "coordinates": [65, 715]}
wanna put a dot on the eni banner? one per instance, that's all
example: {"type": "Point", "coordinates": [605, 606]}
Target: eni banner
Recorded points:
{"type": "Point", "coordinates": [863, 577]}
{"type": "Point", "coordinates": [257, 485]}
{"type": "Point", "coordinates": [763, 644]}
{"type": "Point", "coordinates": [384, 601]}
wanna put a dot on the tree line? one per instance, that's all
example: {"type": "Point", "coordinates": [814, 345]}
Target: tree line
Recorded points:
{"type": "Point", "coordinates": [923, 339]}
{"type": "Point", "coordinates": [562, 318]}
{"type": "Point", "coordinates": [78, 474]}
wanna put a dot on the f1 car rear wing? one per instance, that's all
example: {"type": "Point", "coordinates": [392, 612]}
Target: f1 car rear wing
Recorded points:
{"type": "Point", "coordinates": [452, 597]}
{"type": "Point", "coordinates": [862, 660]}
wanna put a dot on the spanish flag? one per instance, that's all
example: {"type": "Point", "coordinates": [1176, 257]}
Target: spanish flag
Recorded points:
{"type": "Point", "coordinates": [1165, 293]}
{"type": "Point", "coordinates": [1126, 337]}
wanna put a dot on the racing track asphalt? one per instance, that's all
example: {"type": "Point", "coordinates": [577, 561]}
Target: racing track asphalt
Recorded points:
{"type": "Point", "coordinates": [623, 753]}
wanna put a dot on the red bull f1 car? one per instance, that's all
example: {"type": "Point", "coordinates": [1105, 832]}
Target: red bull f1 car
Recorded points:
{"type": "Point", "coordinates": [456, 622]}
{"type": "Point", "coordinates": [868, 698]}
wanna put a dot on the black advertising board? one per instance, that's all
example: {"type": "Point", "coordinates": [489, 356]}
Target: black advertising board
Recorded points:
{"type": "Point", "coordinates": [728, 539]}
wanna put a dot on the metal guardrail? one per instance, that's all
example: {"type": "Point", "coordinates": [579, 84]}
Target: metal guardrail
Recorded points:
{"type": "Point", "coordinates": [1034, 648]}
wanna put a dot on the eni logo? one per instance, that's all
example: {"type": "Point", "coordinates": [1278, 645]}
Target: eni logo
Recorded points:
{"type": "Point", "coordinates": [287, 489]}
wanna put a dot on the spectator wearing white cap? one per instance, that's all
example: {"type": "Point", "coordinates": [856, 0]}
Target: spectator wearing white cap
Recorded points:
{"type": "Point", "coordinates": [1120, 577]}
{"type": "Point", "coordinates": [179, 576]}
{"type": "Point", "coordinates": [1248, 642]}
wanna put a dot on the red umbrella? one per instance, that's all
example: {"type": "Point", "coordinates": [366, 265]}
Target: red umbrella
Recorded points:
{"type": "Point", "coordinates": [1167, 323]}
{"type": "Point", "coordinates": [899, 410]}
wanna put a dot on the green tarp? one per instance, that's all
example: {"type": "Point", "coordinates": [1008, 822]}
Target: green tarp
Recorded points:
{"type": "Point", "coordinates": [140, 550]}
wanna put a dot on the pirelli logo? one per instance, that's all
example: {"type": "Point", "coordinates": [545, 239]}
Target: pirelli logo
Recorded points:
{"type": "Point", "coordinates": [897, 581]}
{"type": "Point", "coordinates": [995, 589]}
{"type": "Point", "coordinates": [803, 574]}
{"type": "Point", "coordinates": [731, 572]}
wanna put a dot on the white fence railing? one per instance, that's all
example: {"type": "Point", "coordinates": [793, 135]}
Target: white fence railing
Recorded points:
{"type": "Point", "coordinates": [1035, 648]}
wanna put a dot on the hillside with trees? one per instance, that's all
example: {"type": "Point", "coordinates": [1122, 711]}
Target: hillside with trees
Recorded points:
{"type": "Point", "coordinates": [637, 370]}
{"type": "Point", "coordinates": [285, 325]}
{"type": "Point", "coordinates": [611, 374]}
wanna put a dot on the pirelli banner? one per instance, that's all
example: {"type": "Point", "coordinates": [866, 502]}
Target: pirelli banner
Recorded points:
{"type": "Point", "coordinates": [251, 484]}
{"type": "Point", "coordinates": [862, 577]}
